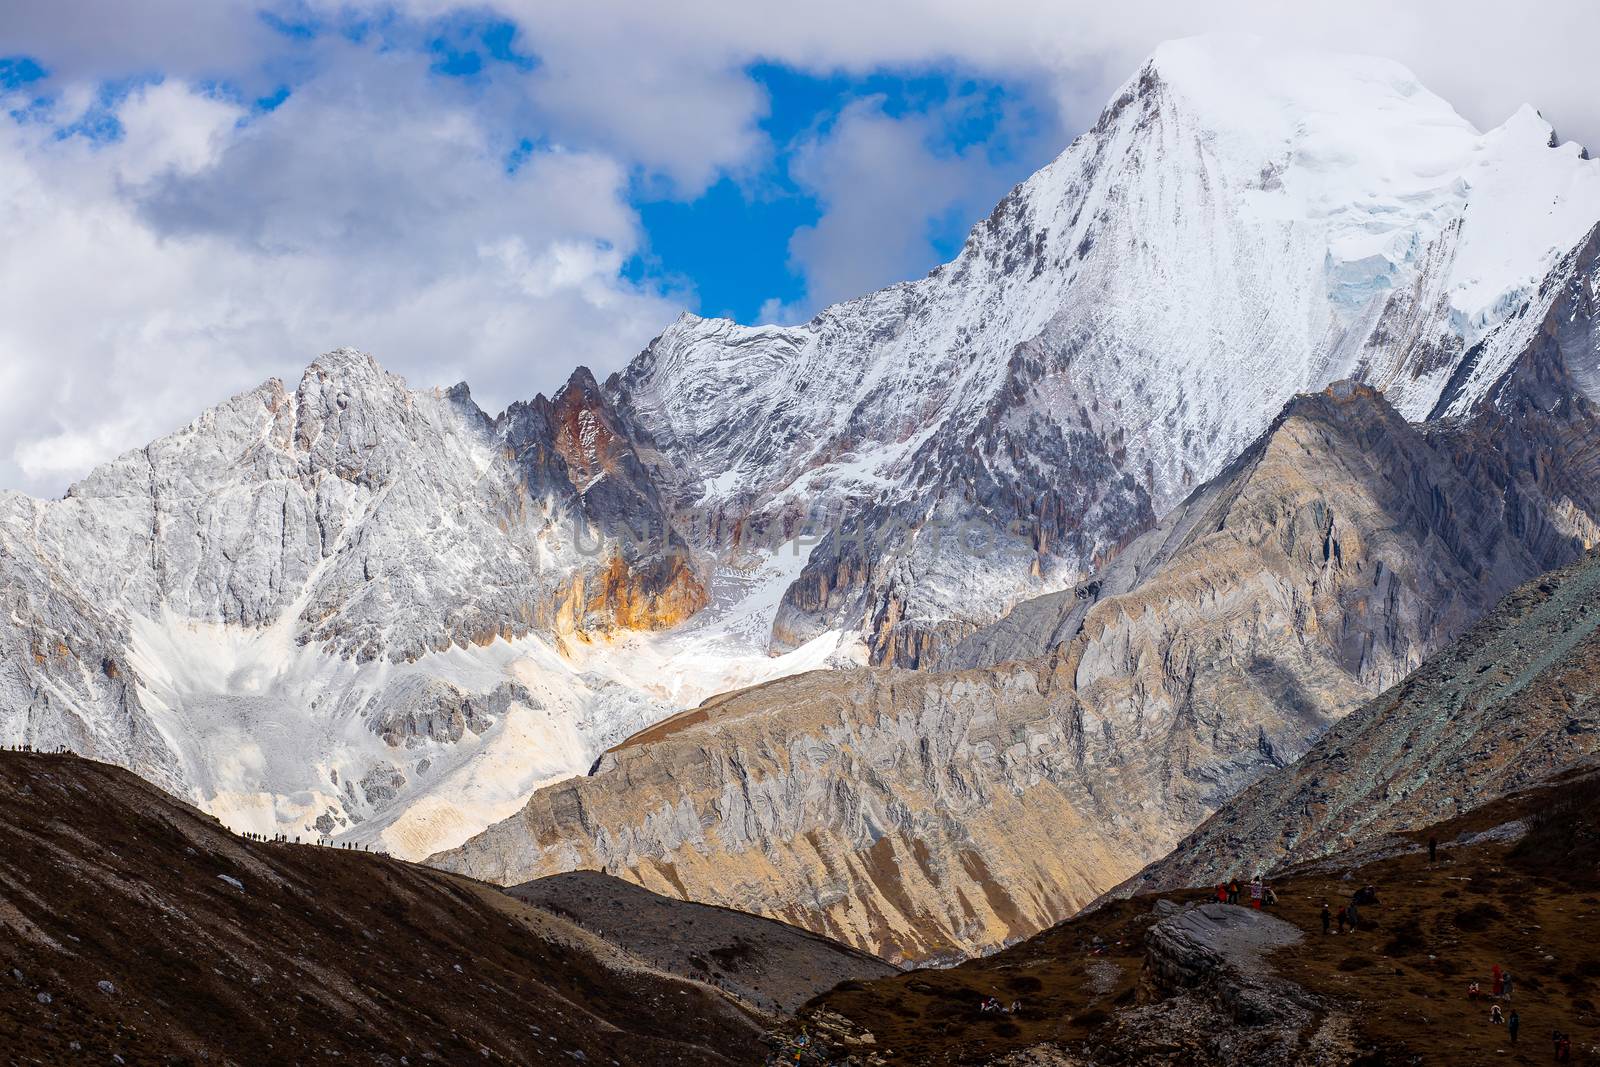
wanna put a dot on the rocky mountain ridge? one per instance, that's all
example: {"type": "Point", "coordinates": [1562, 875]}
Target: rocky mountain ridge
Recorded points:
{"type": "Point", "coordinates": [309, 602]}
{"type": "Point", "coordinates": [1506, 708]}
{"type": "Point", "coordinates": [1245, 221]}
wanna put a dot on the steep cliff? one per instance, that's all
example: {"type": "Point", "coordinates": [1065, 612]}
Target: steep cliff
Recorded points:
{"type": "Point", "coordinates": [1510, 705]}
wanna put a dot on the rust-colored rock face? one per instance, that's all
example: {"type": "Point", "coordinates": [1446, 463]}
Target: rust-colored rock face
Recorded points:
{"type": "Point", "coordinates": [622, 597]}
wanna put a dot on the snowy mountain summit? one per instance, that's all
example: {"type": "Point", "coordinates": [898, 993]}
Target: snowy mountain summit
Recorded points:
{"type": "Point", "coordinates": [1243, 222]}
{"type": "Point", "coordinates": [353, 608]}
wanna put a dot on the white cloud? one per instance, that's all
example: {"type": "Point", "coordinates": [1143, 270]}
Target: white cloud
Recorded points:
{"type": "Point", "coordinates": [148, 277]}
{"type": "Point", "coordinates": [170, 129]}
{"type": "Point", "coordinates": [880, 185]}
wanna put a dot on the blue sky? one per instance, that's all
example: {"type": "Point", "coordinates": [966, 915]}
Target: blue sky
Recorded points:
{"type": "Point", "coordinates": [725, 248]}
{"type": "Point", "coordinates": [731, 242]}
{"type": "Point", "coordinates": [201, 195]}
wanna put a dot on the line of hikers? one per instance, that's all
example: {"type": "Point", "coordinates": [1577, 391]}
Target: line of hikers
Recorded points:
{"type": "Point", "coordinates": [1261, 893]}
{"type": "Point", "coordinates": [57, 750]}
{"type": "Point", "coordinates": [285, 839]}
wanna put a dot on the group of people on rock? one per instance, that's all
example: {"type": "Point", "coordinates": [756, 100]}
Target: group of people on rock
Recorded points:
{"type": "Point", "coordinates": [1261, 893]}
{"type": "Point", "coordinates": [1349, 914]}
{"type": "Point", "coordinates": [56, 750]}
{"type": "Point", "coordinates": [797, 1049]}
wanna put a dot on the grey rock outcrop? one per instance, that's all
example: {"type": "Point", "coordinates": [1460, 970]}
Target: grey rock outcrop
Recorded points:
{"type": "Point", "coordinates": [1208, 995]}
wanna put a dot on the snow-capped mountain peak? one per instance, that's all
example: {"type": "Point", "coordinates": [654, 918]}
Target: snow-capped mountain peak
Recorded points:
{"type": "Point", "coordinates": [1243, 222]}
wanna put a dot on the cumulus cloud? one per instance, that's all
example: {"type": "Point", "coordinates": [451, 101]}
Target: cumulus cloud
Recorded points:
{"type": "Point", "coordinates": [207, 248]}
{"type": "Point", "coordinates": [882, 185]}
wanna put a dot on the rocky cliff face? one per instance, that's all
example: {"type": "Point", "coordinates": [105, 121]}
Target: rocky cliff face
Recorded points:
{"type": "Point", "coordinates": [921, 813]}
{"type": "Point", "coordinates": [915, 816]}
{"type": "Point", "coordinates": [1508, 706]}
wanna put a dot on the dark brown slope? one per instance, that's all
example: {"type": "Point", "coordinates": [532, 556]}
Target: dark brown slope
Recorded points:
{"type": "Point", "coordinates": [134, 926]}
{"type": "Point", "coordinates": [1513, 703]}
{"type": "Point", "coordinates": [773, 965]}
{"type": "Point", "coordinates": [1155, 979]}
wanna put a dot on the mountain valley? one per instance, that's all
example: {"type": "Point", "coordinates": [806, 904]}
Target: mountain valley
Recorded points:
{"type": "Point", "coordinates": [1228, 506]}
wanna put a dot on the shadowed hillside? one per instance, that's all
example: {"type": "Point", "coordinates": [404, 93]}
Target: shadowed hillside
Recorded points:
{"type": "Point", "coordinates": [136, 927]}
{"type": "Point", "coordinates": [772, 965]}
